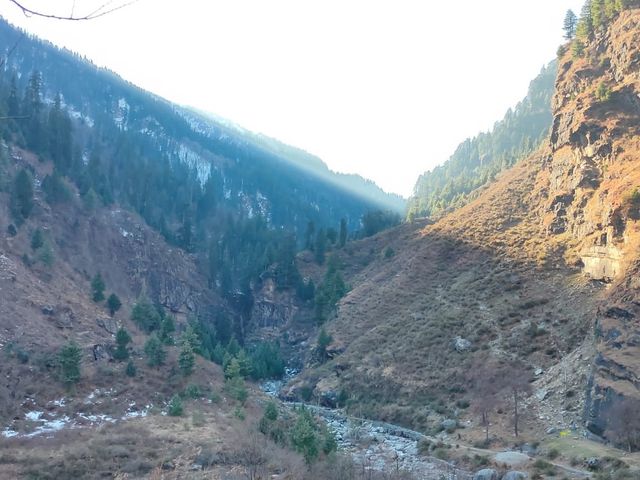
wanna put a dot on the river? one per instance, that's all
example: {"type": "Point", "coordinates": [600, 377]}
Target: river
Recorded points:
{"type": "Point", "coordinates": [374, 445]}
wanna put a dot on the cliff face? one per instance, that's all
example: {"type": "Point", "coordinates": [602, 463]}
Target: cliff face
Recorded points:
{"type": "Point", "coordinates": [594, 149]}
{"type": "Point", "coordinates": [594, 170]}
{"type": "Point", "coordinates": [525, 273]}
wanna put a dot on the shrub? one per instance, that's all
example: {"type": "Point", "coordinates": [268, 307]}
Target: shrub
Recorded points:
{"type": "Point", "coordinates": [603, 93]}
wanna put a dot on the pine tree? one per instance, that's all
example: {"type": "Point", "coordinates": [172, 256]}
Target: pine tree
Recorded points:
{"type": "Point", "coordinates": [584, 29]}
{"type": "Point", "coordinates": [343, 232]}
{"type": "Point", "coordinates": [122, 340]}
{"type": "Point", "coordinates": [69, 360]}
{"type": "Point", "coordinates": [37, 239]}
{"type": "Point", "coordinates": [13, 101]}
{"type": "Point", "coordinates": [598, 16]}
{"type": "Point", "coordinates": [97, 288]}
{"type": "Point", "coordinates": [113, 303]}
{"type": "Point", "coordinates": [131, 369]}
{"type": "Point", "coordinates": [320, 247]}
{"type": "Point", "coordinates": [167, 328]}
{"type": "Point", "coordinates": [22, 196]}
{"type": "Point", "coordinates": [187, 359]}
{"type": "Point", "coordinates": [154, 351]}
{"type": "Point", "coordinates": [570, 23]}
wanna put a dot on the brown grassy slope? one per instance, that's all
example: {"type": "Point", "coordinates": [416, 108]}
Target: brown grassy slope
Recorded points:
{"type": "Point", "coordinates": [506, 271]}
{"type": "Point", "coordinates": [42, 307]}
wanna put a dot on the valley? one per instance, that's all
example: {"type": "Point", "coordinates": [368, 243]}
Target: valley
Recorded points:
{"type": "Point", "coordinates": [181, 298]}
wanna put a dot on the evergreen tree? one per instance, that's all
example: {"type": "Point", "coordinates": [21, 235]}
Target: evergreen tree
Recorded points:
{"type": "Point", "coordinates": [145, 315]}
{"type": "Point", "coordinates": [37, 239]}
{"type": "Point", "coordinates": [113, 303]}
{"type": "Point", "coordinates": [343, 232]}
{"type": "Point", "coordinates": [167, 329]}
{"type": "Point", "coordinates": [22, 196]}
{"type": "Point", "coordinates": [191, 337]}
{"type": "Point", "coordinates": [122, 340]}
{"type": "Point", "coordinates": [13, 100]}
{"type": "Point", "coordinates": [324, 340]}
{"type": "Point", "coordinates": [187, 359]}
{"type": "Point", "coordinates": [33, 107]}
{"type": "Point", "coordinates": [309, 235]}
{"type": "Point", "coordinates": [584, 29]}
{"type": "Point", "coordinates": [175, 406]}
{"type": "Point", "coordinates": [97, 288]}
{"type": "Point", "coordinates": [303, 436]}
{"type": "Point", "coordinates": [69, 360]}
{"type": "Point", "coordinates": [320, 247]}
{"type": "Point", "coordinates": [598, 16]}
{"type": "Point", "coordinates": [131, 369]}
{"type": "Point", "coordinates": [60, 144]}
{"type": "Point", "coordinates": [154, 351]}
{"type": "Point", "coordinates": [570, 23]}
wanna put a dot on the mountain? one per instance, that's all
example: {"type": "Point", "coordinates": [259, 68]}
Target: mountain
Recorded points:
{"type": "Point", "coordinates": [254, 170]}
{"type": "Point", "coordinates": [477, 161]}
{"type": "Point", "coordinates": [533, 279]}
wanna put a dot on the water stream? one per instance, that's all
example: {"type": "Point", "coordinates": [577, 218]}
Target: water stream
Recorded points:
{"type": "Point", "coordinates": [376, 445]}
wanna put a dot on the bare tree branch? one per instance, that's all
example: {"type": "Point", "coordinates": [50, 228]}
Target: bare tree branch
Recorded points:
{"type": "Point", "coordinates": [97, 13]}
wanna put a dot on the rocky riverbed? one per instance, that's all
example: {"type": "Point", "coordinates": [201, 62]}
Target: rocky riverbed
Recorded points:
{"type": "Point", "coordinates": [375, 445]}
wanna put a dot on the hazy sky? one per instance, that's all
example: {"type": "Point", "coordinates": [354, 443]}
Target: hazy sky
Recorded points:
{"type": "Point", "coordinates": [386, 89]}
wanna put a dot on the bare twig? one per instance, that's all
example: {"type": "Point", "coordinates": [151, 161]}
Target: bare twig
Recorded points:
{"type": "Point", "coordinates": [97, 13]}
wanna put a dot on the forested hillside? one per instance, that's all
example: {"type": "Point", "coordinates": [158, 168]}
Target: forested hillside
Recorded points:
{"type": "Point", "coordinates": [239, 201]}
{"type": "Point", "coordinates": [478, 160]}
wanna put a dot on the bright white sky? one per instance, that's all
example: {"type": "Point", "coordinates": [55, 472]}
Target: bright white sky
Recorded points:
{"type": "Point", "coordinates": [386, 89]}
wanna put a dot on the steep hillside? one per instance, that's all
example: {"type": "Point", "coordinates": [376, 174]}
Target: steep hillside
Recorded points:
{"type": "Point", "coordinates": [248, 173]}
{"type": "Point", "coordinates": [516, 282]}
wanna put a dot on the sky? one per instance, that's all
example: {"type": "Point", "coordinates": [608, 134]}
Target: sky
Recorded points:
{"type": "Point", "coordinates": [386, 89]}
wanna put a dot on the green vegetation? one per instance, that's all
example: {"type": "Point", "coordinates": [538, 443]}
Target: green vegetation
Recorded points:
{"type": "Point", "coordinates": [69, 361]}
{"type": "Point", "coordinates": [97, 288]}
{"type": "Point", "coordinates": [329, 293]}
{"type": "Point", "coordinates": [603, 93]}
{"type": "Point", "coordinates": [131, 369]}
{"type": "Point", "coordinates": [113, 304]}
{"type": "Point", "coordinates": [176, 408]}
{"type": "Point", "coordinates": [154, 351]}
{"type": "Point", "coordinates": [122, 340]}
{"type": "Point", "coordinates": [477, 161]}
{"type": "Point", "coordinates": [570, 24]}
{"type": "Point", "coordinates": [21, 201]}
{"type": "Point", "coordinates": [145, 315]}
{"type": "Point", "coordinates": [186, 359]}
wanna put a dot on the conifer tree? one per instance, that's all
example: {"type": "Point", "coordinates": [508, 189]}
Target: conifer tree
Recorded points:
{"type": "Point", "coordinates": [187, 359]}
{"type": "Point", "coordinates": [154, 351]}
{"type": "Point", "coordinates": [22, 196]}
{"type": "Point", "coordinates": [97, 288]}
{"type": "Point", "coordinates": [570, 23]}
{"type": "Point", "coordinates": [69, 360]}
{"type": "Point", "coordinates": [343, 232]}
{"type": "Point", "coordinates": [122, 340]}
{"type": "Point", "coordinates": [113, 303]}
{"type": "Point", "coordinates": [584, 29]}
